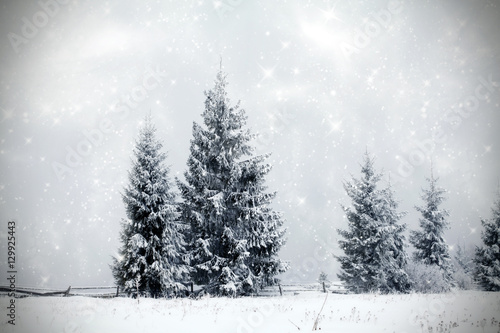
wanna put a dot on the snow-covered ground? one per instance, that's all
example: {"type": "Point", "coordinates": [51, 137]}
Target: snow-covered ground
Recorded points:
{"type": "Point", "coordinates": [469, 311]}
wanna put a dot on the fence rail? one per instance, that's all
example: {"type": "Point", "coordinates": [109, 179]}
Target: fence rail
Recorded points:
{"type": "Point", "coordinates": [114, 291]}
{"type": "Point", "coordinates": [335, 288]}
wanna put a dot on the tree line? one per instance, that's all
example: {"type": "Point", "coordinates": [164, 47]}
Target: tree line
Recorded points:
{"type": "Point", "coordinates": [375, 255]}
{"type": "Point", "coordinates": [223, 235]}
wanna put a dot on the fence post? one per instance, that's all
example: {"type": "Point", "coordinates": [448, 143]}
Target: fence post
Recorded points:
{"type": "Point", "coordinates": [324, 288]}
{"type": "Point", "coordinates": [66, 293]}
{"type": "Point", "coordinates": [117, 290]}
{"type": "Point", "coordinates": [281, 290]}
{"type": "Point", "coordinates": [137, 286]}
{"type": "Point", "coordinates": [192, 287]}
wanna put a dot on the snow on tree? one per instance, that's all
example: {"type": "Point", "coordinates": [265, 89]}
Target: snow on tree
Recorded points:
{"type": "Point", "coordinates": [374, 246]}
{"type": "Point", "coordinates": [426, 279]}
{"type": "Point", "coordinates": [487, 256]}
{"type": "Point", "coordinates": [430, 246]}
{"type": "Point", "coordinates": [235, 235]}
{"type": "Point", "coordinates": [153, 246]}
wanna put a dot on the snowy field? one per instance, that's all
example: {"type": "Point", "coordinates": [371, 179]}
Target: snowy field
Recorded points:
{"type": "Point", "coordinates": [467, 312]}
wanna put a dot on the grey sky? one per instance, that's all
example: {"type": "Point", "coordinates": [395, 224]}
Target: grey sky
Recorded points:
{"type": "Point", "coordinates": [321, 81]}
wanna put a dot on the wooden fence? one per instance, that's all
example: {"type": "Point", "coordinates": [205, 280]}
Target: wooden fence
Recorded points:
{"type": "Point", "coordinates": [101, 292]}
{"type": "Point", "coordinates": [114, 291]}
{"type": "Point", "coordinates": [295, 289]}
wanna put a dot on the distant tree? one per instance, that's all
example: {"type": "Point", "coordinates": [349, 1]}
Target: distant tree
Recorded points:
{"type": "Point", "coordinates": [430, 246]}
{"type": "Point", "coordinates": [463, 272]}
{"type": "Point", "coordinates": [374, 247]}
{"type": "Point", "coordinates": [235, 234]}
{"type": "Point", "coordinates": [323, 278]}
{"type": "Point", "coordinates": [463, 259]}
{"type": "Point", "coordinates": [487, 256]}
{"type": "Point", "coordinates": [153, 246]}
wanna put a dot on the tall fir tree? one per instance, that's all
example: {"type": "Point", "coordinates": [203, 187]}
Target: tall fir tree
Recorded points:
{"type": "Point", "coordinates": [374, 257]}
{"type": "Point", "coordinates": [430, 246]}
{"type": "Point", "coordinates": [235, 234]}
{"type": "Point", "coordinates": [153, 255]}
{"type": "Point", "coordinates": [487, 256]}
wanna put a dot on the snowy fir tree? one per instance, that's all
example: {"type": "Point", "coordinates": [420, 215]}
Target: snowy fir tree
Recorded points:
{"type": "Point", "coordinates": [235, 234]}
{"type": "Point", "coordinates": [153, 254]}
{"type": "Point", "coordinates": [430, 246]}
{"type": "Point", "coordinates": [394, 245]}
{"type": "Point", "coordinates": [374, 257]}
{"type": "Point", "coordinates": [487, 256]}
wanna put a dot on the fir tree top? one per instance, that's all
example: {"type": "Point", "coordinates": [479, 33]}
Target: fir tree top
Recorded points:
{"type": "Point", "coordinates": [226, 122]}
{"type": "Point", "coordinates": [363, 191]}
{"type": "Point", "coordinates": [149, 186]}
{"type": "Point", "coordinates": [434, 219]}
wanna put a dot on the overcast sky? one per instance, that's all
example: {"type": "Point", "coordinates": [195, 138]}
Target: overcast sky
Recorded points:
{"type": "Point", "coordinates": [321, 81]}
